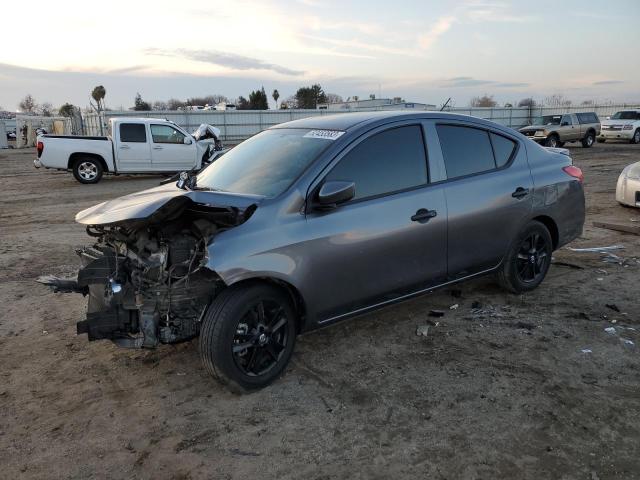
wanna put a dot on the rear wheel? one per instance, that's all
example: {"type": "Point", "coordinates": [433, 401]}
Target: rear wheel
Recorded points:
{"type": "Point", "coordinates": [552, 141]}
{"type": "Point", "coordinates": [636, 136]}
{"type": "Point", "coordinates": [528, 259]}
{"type": "Point", "coordinates": [87, 170]}
{"type": "Point", "coordinates": [247, 336]}
{"type": "Point", "coordinates": [589, 140]}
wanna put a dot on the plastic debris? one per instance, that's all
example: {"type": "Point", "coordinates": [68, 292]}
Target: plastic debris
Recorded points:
{"type": "Point", "coordinates": [454, 306]}
{"type": "Point", "coordinates": [586, 350]}
{"type": "Point", "coordinates": [597, 249]}
{"type": "Point", "coordinates": [422, 330]}
{"type": "Point", "coordinates": [627, 341]}
{"type": "Point", "coordinates": [610, 330]}
{"type": "Point", "coordinates": [599, 279]}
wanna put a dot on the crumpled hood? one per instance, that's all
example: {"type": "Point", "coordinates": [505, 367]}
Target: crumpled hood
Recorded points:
{"type": "Point", "coordinates": [141, 205]}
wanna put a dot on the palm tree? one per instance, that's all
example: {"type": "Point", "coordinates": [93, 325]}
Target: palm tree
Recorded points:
{"type": "Point", "coordinates": [276, 96]}
{"type": "Point", "coordinates": [98, 94]}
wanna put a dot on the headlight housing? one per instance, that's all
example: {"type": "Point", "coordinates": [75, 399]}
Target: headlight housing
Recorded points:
{"type": "Point", "coordinates": [628, 127]}
{"type": "Point", "coordinates": [540, 133]}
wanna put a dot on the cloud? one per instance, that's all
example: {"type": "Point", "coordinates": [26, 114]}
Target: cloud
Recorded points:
{"type": "Point", "coordinates": [464, 82]}
{"type": "Point", "coordinates": [223, 59]}
{"type": "Point", "coordinates": [441, 26]}
{"type": "Point", "coordinates": [131, 69]}
{"type": "Point", "coordinates": [478, 11]}
{"type": "Point", "coordinates": [608, 82]}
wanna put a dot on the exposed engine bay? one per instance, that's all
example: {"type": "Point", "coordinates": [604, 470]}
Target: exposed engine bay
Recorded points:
{"type": "Point", "coordinates": [146, 279]}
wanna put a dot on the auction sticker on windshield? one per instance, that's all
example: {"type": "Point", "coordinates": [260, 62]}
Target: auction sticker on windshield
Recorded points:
{"type": "Point", "coordinates": [326, 134]}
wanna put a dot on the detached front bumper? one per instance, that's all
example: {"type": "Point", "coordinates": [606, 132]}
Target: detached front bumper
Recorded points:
{"type": "Point", "coordinates": [37, 163]}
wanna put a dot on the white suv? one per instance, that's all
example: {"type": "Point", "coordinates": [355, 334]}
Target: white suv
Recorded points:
{"type": "Point", "coordinates": [624, 125]}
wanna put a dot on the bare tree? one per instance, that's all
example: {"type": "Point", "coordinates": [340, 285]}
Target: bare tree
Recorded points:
{"type": "Point", "coordinates": [45, 109]}
{"type": "Point", "coordinates": [175, 104]}
{"type": "Point", "coordinates": [527, 102]}
{"type": "Point", "coordinates": [483, 101]}
{"type": "Point", "coordinates": [159, 105]}
{"type": "Point", "coordinates": [557, 100]}
{"type": "Point", "coordinates": [27, 104]}
{"type": "Point", "coordinates": [588, 103]}
{"type": "Point", "coordinates": [290, 102]}
{"type": "Point", "coordinates": [333, 98]}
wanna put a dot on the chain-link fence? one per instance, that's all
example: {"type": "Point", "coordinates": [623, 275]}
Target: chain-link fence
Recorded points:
{"type": "Point", "coordinates": [237, 125]}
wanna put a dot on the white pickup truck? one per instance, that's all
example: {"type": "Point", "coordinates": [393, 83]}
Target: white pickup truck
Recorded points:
{"type": "Point", "coordinates": [136, 145]}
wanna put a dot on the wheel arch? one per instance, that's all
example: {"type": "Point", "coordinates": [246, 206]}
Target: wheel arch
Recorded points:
{"type": "Point", "coordinates": [75, 156]}
{"type": "Point", "coordinates": [552, 226]}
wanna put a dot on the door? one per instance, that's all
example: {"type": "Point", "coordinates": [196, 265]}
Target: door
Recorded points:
{"type": "Point", "coordinates": [132, 149]}
{"type": "Point", "coordinates": [169, 152]}
{"type": "Point", "coordinates": [389, 240]}
{"type": "Point", "coordinates": [488, 194]}
{"type": "Point", "coordinates": [569, 130]}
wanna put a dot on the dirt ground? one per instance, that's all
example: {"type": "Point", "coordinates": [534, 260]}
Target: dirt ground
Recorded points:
{"type": "Point", "coordinates": [519, 387]}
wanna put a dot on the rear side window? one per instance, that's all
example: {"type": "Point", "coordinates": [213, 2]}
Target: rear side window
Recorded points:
{"type": "Point", "coordinates": [133, 132]}
{"type": "Point", "coordinates": [384, 163]}
{"type": "Point", "coordinates": [465, 150]}
{"type": "Point", "coordinates": [502, 148]}
{"type": "Point", "coordinates": [587, 117]}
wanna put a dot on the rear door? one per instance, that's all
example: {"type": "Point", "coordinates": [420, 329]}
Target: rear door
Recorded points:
{"type": "Point", "coordinates": [488, 193]}
{"type": "Point", "coordinates": [378, 247]}
{"type": "Point", "coordinates": [168, 149]}
{"type": "Point", "coordinates": [132, 148]}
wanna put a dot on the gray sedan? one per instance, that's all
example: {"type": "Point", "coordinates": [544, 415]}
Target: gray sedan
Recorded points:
{"type": "Point", "coordinates": [318, 220]}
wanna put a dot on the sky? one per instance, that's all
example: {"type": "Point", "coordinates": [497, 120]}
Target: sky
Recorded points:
{"type": "Point", "coordinates": [423, 51]}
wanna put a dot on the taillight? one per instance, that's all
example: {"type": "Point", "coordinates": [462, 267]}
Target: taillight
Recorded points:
{"type": "Point", "coordinates": [40, 148]}
{"type": "Point", "coordinates": [575, 172]}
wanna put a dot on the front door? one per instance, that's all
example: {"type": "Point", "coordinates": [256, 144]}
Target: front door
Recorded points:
{"type": "Point", "coordinates": [381, 245]}
{"type": "Point", "coordinates": [488, 192]}
{"type": "Point", "coordinates": [132, 148]}
{"type": "Point", "coordinates": [169, 152]}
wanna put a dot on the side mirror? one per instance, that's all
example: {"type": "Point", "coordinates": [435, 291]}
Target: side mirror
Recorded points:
{"type": "Point", "coordinates": [331, 194]}
{"type": "Point", "coordinates": [187, 141]}
{"type": "Point", "coordinates": [607, 118]}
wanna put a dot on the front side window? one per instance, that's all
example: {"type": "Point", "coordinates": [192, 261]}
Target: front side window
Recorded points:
{"type": "Point", "coordinates": [133, 133]}
{"type": "Point", "coordinates": [386, 162]}
{"type": "Point", "coordinates": [566, 120]}
{"type": "Point", "coordinates": [267, 163]}
{"type": "Point", "coordinates": [166, 134]}
{"type": "Point", "coordinates": [465, 150]}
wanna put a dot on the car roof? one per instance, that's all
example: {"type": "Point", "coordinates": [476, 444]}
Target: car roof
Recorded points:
{"type": "Point", "coordinates": [347, 121]}
{"type": "Point", "coordinates": [140, 119]}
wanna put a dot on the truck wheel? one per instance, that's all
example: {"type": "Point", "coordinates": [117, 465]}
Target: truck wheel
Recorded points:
{"type": "Point", "coordinates": [589, 140]}
{"type": "Point", "coordinates": [552, 141]}
{"type": "Point", "coordinates": [636, 136]}
{"type": "Point", "coordinates": [247, 336]}
{"type": "Point", "coordinates": [87, 170]}
{"type": "Point", "coordinates": [527, 262]}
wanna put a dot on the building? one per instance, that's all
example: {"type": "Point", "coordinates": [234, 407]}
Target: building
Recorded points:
{"type": "Point", "coordinates": [395, 103]}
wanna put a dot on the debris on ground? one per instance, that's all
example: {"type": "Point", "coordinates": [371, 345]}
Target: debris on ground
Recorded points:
{"type": "Point", "coordinates": [596, 249]}
{"type": "Point", "coordinates": [454, 306]}
{"type": "Point", "coordinates": [436, 313]}
{"type": "Point", "coordinates": [525, 326]}
{"type": "Point", "coordinates": [618, 227]}
{"type": "Point", "coordinates": [612, 306]}
{"type": "Point", "coordinates": [567, 264]}
{"type": "Point", "coordinates": [626, 341]}
{"type": "Point", "coordinates": [610, 330]}
{"type": "Point", "coordinates": [422, 330]}
{"type": "Point", "coordinates": [586, 350]}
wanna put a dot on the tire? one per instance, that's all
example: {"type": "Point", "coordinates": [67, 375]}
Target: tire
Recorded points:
{"type": "Point", "coordinates": [524, 268]}
{"type": "Point", "coordinates": [87, 170]}
{"type": "Point", "coordinates": [560, 144]}
{"type": "Point", "coordinates": [636, 137]}
{"type": "Point", "coordinates": [552, 141]}
{"type": "Point", "coordinates": [589, 140]}
{"type": "Point", "coordinates": [233, 321]}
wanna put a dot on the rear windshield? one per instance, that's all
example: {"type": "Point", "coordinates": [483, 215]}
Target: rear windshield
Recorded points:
{"type": "Point", "coordinates": [628, 115]}
{"type": "Point", "coordinates": [267, 163]}
{"type": "Point", "coordinates": [587, 117]}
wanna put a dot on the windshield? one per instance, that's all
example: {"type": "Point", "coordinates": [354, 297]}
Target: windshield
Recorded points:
{"type": "Point", "coordinates": [628, 115]}
{"type": "Point", "coordinates": [548, 120]}
{"type": "Point", "coordinates": [267, 163]}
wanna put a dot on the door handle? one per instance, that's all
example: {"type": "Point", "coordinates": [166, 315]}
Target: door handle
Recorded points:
{"type": "Point", "coordinates": [157, 148]}
{"type": "Point", "coordinates": [520, 193]}
{"type": "Point", "coordinates": [125, 147]}
{"type": "Point", "coordinates": [423, 215]}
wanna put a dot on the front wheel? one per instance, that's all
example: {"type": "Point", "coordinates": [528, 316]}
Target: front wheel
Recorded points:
{"type": "Point", "coordinates": [552, 141]}
{"type": "Point", "coordinates": [87, 170]}
{"type": "Point", "coordinates": [528, 260]}
{"type": "Point", "coordinates": [247, 336]}
{"type": "Point", "coordinates": [589, 140]}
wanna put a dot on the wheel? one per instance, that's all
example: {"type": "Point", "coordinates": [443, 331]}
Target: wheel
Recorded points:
{"type": "Point", "coordinates": [552, 141]}
{"type": "Point", "coordinates": [602, 140]}
{"type": "Point", "coordinates": [527, 262]}
{"type": "Point", "coordinates": [560, 144]}
{"type": "Point", "coordinates": [87, 170]}
{"type": "Point", "coordinates": [247, 336]}
{"type": "Point", "coordinates": [589, 140]}
{"type": "Point", "coordinates": [636, 136]}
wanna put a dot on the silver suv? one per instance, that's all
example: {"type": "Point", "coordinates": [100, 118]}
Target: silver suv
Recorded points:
{"type": "Point", "coordinates": [318, 220]}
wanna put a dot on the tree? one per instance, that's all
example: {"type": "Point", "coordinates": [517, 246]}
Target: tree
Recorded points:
{"type": "Point", "coordinates": [276, 96]}
{"type": "Point", "coordinates": [98, 93]}
{"type": "Point", "coordinates": [333, 98]}
{"type": "Point", "coordinates": [483, 101]}
{"type": "Point", "coordinates": [242, 103]}
{"type": "Point", "coordinates": [27, 104]}
{"type": "Point", "coordinates": [67, 110]}
{"type": "Point", "coordinates": [557, 100]}
{"type": "Point", "coordinates": [207, 100]}
{"type": "Point", "coordinates": [159, 105]}
{"type": "Point", "coordinates": [372, 96]}
{"type": "Point", "coordinates": [175, 104]}
{"type": "Point", "coordinates": [45, 109]}
{"type": "Point", "coordinates": [527, 102]}
{"type": "Point", "coordinates": [140, 105]}
{"type": "Point", "coordinates": [588, 103]}
{"type": "Point", "coordinates": [310, 97]}
{"type": "Point", "coordinates": [258, 100]}
{"type": "Point", "coordinates": [289, 103]}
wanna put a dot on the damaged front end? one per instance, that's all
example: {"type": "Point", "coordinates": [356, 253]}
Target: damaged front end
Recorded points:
{"type": "Point", "coordinates": [146, 277]}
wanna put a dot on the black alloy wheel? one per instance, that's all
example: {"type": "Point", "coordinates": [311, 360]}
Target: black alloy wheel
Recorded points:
{"type": "Point", "coordinates": [533, 258]}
